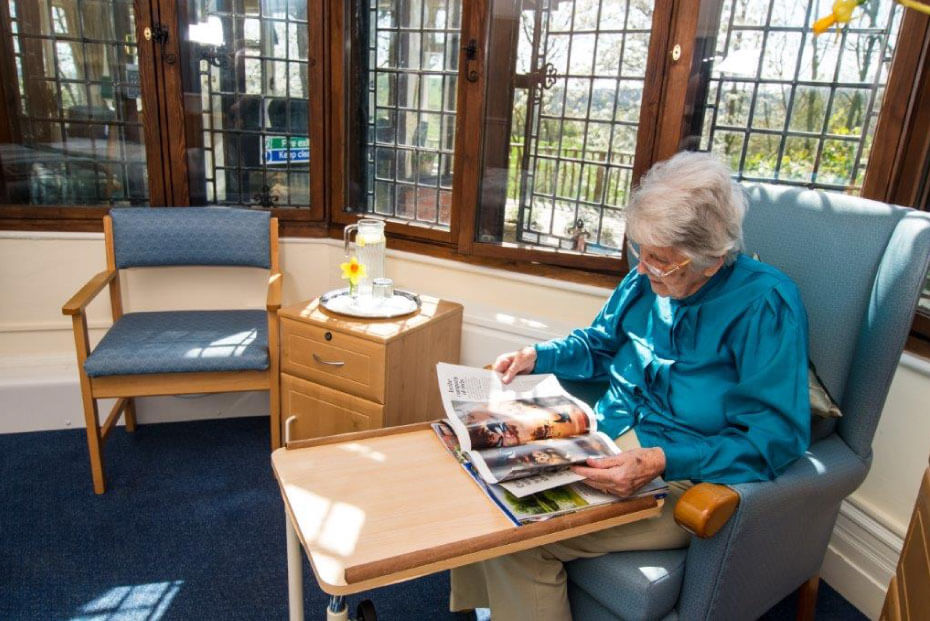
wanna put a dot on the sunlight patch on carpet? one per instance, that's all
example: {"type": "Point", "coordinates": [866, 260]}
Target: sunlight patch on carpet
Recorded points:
{"type": "Point", "coordinates": [139, 601]}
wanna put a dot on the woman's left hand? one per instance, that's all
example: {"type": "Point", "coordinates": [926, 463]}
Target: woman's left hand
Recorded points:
{"type": "Point", "coordinates": [625, 473]}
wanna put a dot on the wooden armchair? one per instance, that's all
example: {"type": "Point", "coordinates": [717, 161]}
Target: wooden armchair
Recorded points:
{"type": "Point", "coordinates": [177, 352]}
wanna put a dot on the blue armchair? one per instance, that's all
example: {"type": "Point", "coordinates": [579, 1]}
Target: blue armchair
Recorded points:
{"type": "Point", "coordinates": [860, 266]}
{"type": "Point", "coordinates": [177, 352]}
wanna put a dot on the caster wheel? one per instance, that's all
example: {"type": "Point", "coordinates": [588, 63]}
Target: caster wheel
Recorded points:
{"type": "Point", "coordinates": [365, 611]}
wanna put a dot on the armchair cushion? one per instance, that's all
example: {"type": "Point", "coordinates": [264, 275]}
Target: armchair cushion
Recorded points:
{"type": "Point", "coordinates": [631, 585]}
{"type": "Point", "coordinates": [182, 342]}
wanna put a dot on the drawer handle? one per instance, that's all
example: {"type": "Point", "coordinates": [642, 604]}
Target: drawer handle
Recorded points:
{"type": "Point", "coordinates": [329, 363]}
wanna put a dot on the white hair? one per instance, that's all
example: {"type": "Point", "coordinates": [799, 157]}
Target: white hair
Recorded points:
{"type": "Point", "coordinates": [691, 203]}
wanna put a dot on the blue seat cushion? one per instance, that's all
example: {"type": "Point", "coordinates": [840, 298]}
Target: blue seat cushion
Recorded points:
{"type": "Point", "coordinates": [182, 342]}
{"type": "Point", "coordinates": [632, 585]}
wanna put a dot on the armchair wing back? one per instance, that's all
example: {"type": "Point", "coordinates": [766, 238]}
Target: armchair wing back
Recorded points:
{"type": "Point", "coordinates": [859, 265]}
{"type": "Point", "coordinates": [152, 236]}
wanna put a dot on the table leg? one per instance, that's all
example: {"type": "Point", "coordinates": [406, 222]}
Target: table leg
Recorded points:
{"type": "Point", "coordinates": [295, 573]}
{"type": "Point", "coordinates": [337, 609]}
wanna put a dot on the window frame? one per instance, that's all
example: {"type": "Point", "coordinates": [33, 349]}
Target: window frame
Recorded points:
{"type": "Point", "coordinates": [666, 81]}
{"type": "Point", "coordinates": [166, 125]}
{"type": "Point", "coordinates": [341, 66]}
{"type": "Point", "coordinates": [68, 217]}
{"type": "Point", "coordinates": [655, 91]}
{"type": "Point", "coordinates": [893, 174]}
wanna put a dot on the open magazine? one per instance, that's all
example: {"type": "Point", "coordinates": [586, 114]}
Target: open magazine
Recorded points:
{"type": "Point", "coordinates": [522, 435]}
{"type": "Point", "coordinates": [534, 507]}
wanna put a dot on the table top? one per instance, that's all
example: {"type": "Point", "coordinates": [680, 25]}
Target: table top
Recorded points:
{"type": "Point", "coordinates": [379, 330]}
{"type": "Point", "coordinates": [382, 506]}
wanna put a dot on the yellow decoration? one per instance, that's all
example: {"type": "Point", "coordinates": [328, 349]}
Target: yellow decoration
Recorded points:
{"type": "Point", "coordinates": [917, 6]}
{"type": "Point", "coordinates": [352, 270]}
{"type": "Point", "coordinates": [841, 14]}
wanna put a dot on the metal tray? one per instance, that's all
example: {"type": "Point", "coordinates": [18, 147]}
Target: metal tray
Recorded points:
{"type": "Point", "coordinates": [401, 303]}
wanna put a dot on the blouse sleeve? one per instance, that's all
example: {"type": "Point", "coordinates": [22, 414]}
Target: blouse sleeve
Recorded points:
{"type": "Point", "coordinates": [767, 410]}
{"type": "Point", "coordinates": [586, 353]}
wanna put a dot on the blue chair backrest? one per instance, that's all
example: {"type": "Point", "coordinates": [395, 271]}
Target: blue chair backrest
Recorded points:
{"type": "Point", "coordinates": [859, 265]}
{"type": "Point", "coordinates": [155, 236]}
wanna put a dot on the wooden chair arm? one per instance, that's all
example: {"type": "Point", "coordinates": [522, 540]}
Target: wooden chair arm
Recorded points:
{"type": "Point", "coordinates": [75, 306]}
{"type": "Point", "coordinates": [705, 508]}
{"type": "Point", "coordinates": [273, 302]}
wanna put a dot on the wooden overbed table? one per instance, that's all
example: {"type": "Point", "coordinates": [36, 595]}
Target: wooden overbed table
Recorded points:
{"type": "Point", "coordinates": [377, 507]}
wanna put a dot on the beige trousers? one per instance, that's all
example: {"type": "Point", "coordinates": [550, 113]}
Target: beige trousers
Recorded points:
{"type": "Point", "coordinates": [531, 585]}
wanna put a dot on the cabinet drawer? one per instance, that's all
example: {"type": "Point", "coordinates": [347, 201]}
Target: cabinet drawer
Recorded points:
{"type": "Point", "coordinates": [333, 359]}
{"type": "Point", "coordinates": [322, 411]}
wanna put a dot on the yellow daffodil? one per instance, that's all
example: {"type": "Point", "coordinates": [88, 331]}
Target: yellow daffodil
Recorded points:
{"type": "Point", "coordinates": [352, 270]}
{"type": "Point", "coordinates": [841, 14]}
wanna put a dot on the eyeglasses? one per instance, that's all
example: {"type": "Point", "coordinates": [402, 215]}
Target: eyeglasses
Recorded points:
{"type": "Point", "coordinates": [656, 272]}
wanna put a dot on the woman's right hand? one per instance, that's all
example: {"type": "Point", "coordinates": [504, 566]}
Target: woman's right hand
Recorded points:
{"type": "Point", "coordinates": [515, 363]}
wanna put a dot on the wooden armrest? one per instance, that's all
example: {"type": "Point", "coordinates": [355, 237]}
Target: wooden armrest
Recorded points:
{"type": "Point", "coordinates": [82, 298]}
{"type": "Point", "coordinates": [273, 302]}
{"type": "Point", "coordinates": [705, 508]}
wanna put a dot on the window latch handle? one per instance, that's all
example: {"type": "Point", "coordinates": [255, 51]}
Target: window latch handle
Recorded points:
{"type": "Point", "coordinates": [471, 50]}
{"type": "Point", "coordinates": [157, 31]}
{"type": "Point", "coordinates": [471, 54]}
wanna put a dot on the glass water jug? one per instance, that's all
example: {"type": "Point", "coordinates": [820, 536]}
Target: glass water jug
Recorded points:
{"type": "Point", "coordinates": [368, 250]}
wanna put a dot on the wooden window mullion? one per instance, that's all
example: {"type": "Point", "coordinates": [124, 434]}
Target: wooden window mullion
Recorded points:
{"type": "Point", "coordinates": [899, 149]}
{"type": "Point", "coordinates": [472, 84]}
{"type": "Point", "coordinates": [158, 178]}
{"type": "Point", "coordinates": [167, 64]}
{"type": "Point", "coordinates": [9, 95]}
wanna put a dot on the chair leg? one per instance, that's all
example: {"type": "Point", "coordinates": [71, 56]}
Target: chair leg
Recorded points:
{"type": "Point", "coordinates": [94, 442]}
{"type": "Point", "coordinates": [807, 599]}
{"type": "Point", "coordinates": [129, 414]}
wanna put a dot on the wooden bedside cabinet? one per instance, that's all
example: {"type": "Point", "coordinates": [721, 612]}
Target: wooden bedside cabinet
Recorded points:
{"type": "Point", "coordinates": [341, 374]}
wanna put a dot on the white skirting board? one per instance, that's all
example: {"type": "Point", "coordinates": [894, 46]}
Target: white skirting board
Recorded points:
{"type": "Point", "coordinates": [42, 393]}
{"type": "Point", "coordinates": [861, 559]}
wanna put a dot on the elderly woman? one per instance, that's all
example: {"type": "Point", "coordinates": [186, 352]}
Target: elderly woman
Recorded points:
{"type": "Point", "coordinates": [705, 351]}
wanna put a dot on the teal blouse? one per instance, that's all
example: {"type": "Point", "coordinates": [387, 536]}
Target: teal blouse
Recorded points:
{"type": "Point", "coordinates": [718, 380]}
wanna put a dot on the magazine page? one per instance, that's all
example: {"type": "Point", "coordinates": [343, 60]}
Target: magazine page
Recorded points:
{"type": "Point", "coordinates": [537, 483]}
{"type": "Point", "coordinates": [551, 502]}
{"type": "Point", "coordinates": [535, 507]}
{"type": "Point", "coordinates": [657, 487]}
{"type": "Point", "coordinates": [542, 456]}
{"type": "Point", "coordinates": [484, 413]}
{"type": "Point", "coordinates": [447, 437]}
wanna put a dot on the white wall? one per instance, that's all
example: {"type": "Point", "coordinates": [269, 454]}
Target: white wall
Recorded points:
{"type": "Point", "coordinates": [901, 448]}
{"type": "Point", "coordinates": [38, 381]}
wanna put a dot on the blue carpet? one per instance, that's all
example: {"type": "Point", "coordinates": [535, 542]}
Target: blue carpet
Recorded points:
{"type": "Point", "coordinates": [191, 527]}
